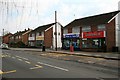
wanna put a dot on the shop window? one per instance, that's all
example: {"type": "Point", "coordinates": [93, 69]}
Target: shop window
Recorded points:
{"type": "Point", "coordinates": [101, 27]}
{"type": "Point", "coordinates": [86, 29]}
{"type": "Point", "coordinates": [93, 43]}
{"type": "Point", "coordinates": [73, 42]}
{"type": "Point", "coordinates": [90, 43]}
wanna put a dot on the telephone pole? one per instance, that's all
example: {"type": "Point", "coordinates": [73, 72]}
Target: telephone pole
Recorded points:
{"type": "Point", "coordinates": [3, 36]}
{"type": "Point", "coordinates": [56, 30]}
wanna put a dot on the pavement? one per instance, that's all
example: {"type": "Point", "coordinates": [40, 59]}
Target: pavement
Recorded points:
{"type": "Point", "coordinates": [105, 55]}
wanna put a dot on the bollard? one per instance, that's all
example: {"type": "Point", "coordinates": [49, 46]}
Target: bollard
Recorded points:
{"type": "Point", "coordinates": [43, 48]}
{"type": "Point", "coordinates": [71, 48]}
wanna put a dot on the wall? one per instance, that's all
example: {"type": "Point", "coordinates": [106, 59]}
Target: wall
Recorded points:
{"type": "Point", "coordinates": [118, 28]}
{"type": "Point", "coordinates": [48, 38]}
{"type": "Point", "coordinates": [59, 34]}
{"type": "Point", "coordinates": [110, 35]}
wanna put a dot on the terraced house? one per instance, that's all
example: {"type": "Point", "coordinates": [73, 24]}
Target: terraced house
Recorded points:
{"type": "Point", "coordinates": [45, 35]}
{"type": "Point", "coordinates": [6, 38]}
{"type": "Point", "coordinates": [93, 33]}
{"type": "Point", "coordinates": [20, 36]}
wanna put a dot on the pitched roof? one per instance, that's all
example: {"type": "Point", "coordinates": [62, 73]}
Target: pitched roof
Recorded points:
{"type": "Point", "coordinates": [20, 33]}
{"type": "Point", "coordinates": [8, 34]}
{"type": "Point", "coordinates": [97, 19]}
{"type": "Point", "coordinates": [42, 28]}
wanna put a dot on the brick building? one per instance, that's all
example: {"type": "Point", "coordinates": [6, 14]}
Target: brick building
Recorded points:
{"type": "Point", "coordinates": [93, 33]}
{"type": "Point", "coordinates": [20, 36]}
{"type": "Point", "coordinates": [45, 35]}
{"type": "Point", "coordinates": [6, 38]}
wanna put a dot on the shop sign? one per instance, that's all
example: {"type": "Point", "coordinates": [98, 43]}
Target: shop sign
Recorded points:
{"type": "Point", "coordinates": [31, 38]}
{"type": "Point", "coordinates": [71, 35]}
{"type": "Point", "coordinates": [96, 34]}
{"type": "Point", "coordinates": [39, 38]}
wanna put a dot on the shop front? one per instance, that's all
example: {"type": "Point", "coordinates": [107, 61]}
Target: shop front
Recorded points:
{"type": "Point", "coordinates": [71, 39]}
{"type": "Point", "coordinates": [94, 41]}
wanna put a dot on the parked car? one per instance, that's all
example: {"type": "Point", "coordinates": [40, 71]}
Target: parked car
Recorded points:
{"type": "Point", "coordinates": [4, 46]}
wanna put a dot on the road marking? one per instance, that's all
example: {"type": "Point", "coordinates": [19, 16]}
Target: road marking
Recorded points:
{"type": "Point", "coordinates": [18, 56]}
{"type": "Point", "coordinates": [24, 58]}
{"type": "Point", "coordinates": [1, 72]}
{"type": "Point", "coordinates": [53, 66]}
{"type": "Point", "coordinates": [9, 72]}
{"type": "Point", "coordinates": [38, 66]}
{"type": "Point", "coordinates": [20, 59]}
{"type": "Point", "coordinates": [27, 62]}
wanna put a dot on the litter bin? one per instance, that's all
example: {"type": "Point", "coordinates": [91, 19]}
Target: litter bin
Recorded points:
{"type": "Point", "coordinates": [114, 49]}
{"type": "Point", "coordinates": [43, 48]}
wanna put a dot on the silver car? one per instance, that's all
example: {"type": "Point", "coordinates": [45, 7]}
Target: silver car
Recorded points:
{"type": "Point", "coordinates": [4, 46]}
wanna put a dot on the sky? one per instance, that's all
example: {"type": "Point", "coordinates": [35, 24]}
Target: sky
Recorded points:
{"type": "Point", "coordinates": [18, 15]}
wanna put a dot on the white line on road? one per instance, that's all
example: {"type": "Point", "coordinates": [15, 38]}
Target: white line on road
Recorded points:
{"type": "Point", "coordinates": [24, 58]}
{"type": "Point", "coordinates": [27, 62]}
{"type": "Point", "coordinates": [37, 66]}
{"type": "Point", "coordinates": [53, 66]}
{"type": "Point", "coordinates": [13, 57]}
{"type": "Point", "coordinates": [20, 59]}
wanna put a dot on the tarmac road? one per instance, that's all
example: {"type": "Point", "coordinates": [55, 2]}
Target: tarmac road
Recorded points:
{"type": "Point", "coordinates": [21, 64]}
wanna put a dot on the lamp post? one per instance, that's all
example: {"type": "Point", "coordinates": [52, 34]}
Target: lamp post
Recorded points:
{"type": "Point", "coordinates": [3, 36]}
{"type": "Point", "coordinates": [56, 30]}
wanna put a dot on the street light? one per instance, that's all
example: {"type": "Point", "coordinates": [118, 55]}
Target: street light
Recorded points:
{"type": "Point", "coordinates": [56, 30]}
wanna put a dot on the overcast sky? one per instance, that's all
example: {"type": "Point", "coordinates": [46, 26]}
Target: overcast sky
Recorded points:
{"type": "Point", "coordinates": [17, 15]}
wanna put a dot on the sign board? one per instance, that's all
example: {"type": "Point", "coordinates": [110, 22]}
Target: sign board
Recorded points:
{"type": "Point", "coordinates": [71, 35]}
{"type": "Point", "coordinates": [31, 38]}
{"type": "Point", "coordinates": [39, 38]}
{"type": "Point", "coordinates": [95, 34]}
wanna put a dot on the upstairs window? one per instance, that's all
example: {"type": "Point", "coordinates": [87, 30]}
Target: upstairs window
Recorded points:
{"type": "Point", "coordinates": [101, 27]}
{"type": "Point", "coordinates": [37, 34]}
{"type": "Point", "coordinates": [76, 29]}
{"type": "Point", "coordinates": [86, 29]}
{"type": "Point", "coordinates": [33, 35]}
{"type": "Point", "coordinates": [65, 31]}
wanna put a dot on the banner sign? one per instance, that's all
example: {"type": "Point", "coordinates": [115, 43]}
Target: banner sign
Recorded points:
{"type": "Point", "coordinates": [96, 34]}
{"type": "Point", "coordinates": [71, 35]}
{"type": "Point", "coordinates": [39, 38]}
{"type": "Point", "coordinates": [31, 38]}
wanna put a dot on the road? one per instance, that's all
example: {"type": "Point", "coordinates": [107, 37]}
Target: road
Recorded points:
{"type": "Point", "coordinates": [21, 64]}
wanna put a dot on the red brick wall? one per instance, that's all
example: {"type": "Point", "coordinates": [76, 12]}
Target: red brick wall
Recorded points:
{"type": "Point", "coordinates": [110, 35]}
{"type": "Point", "coordinates": [93, 28]}
{"type": "Point", "coordinates": [25, 38]}
{"type": "Point", "coordinates": [69, 30]}
{"type": "Point", "coordinates": [6, 39]}
{"type": "Point", "coordinates": [48, 38]}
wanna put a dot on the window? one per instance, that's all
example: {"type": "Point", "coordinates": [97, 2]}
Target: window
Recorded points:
{"type": "Point", "coordinates": [33, 35]}
{"type": "Point", "coordinates": [101, 27]}
{"type": "Point", "coordinates": [12, 37]}
{"type": "Point", "coordinates": [86, 29]}
{"type": "Point", "coordinates": [37, 34]}
{"type": "Point", "coordinates": [76, 29]}
{"type": "Point", "coordinates": [90, 43]}
{"type": "Point", "coordinates": [16, 37]}
{"type": "Point", "coordinates": [19, 37]}
{"type": "Point", "coordinates": [65, 31]}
